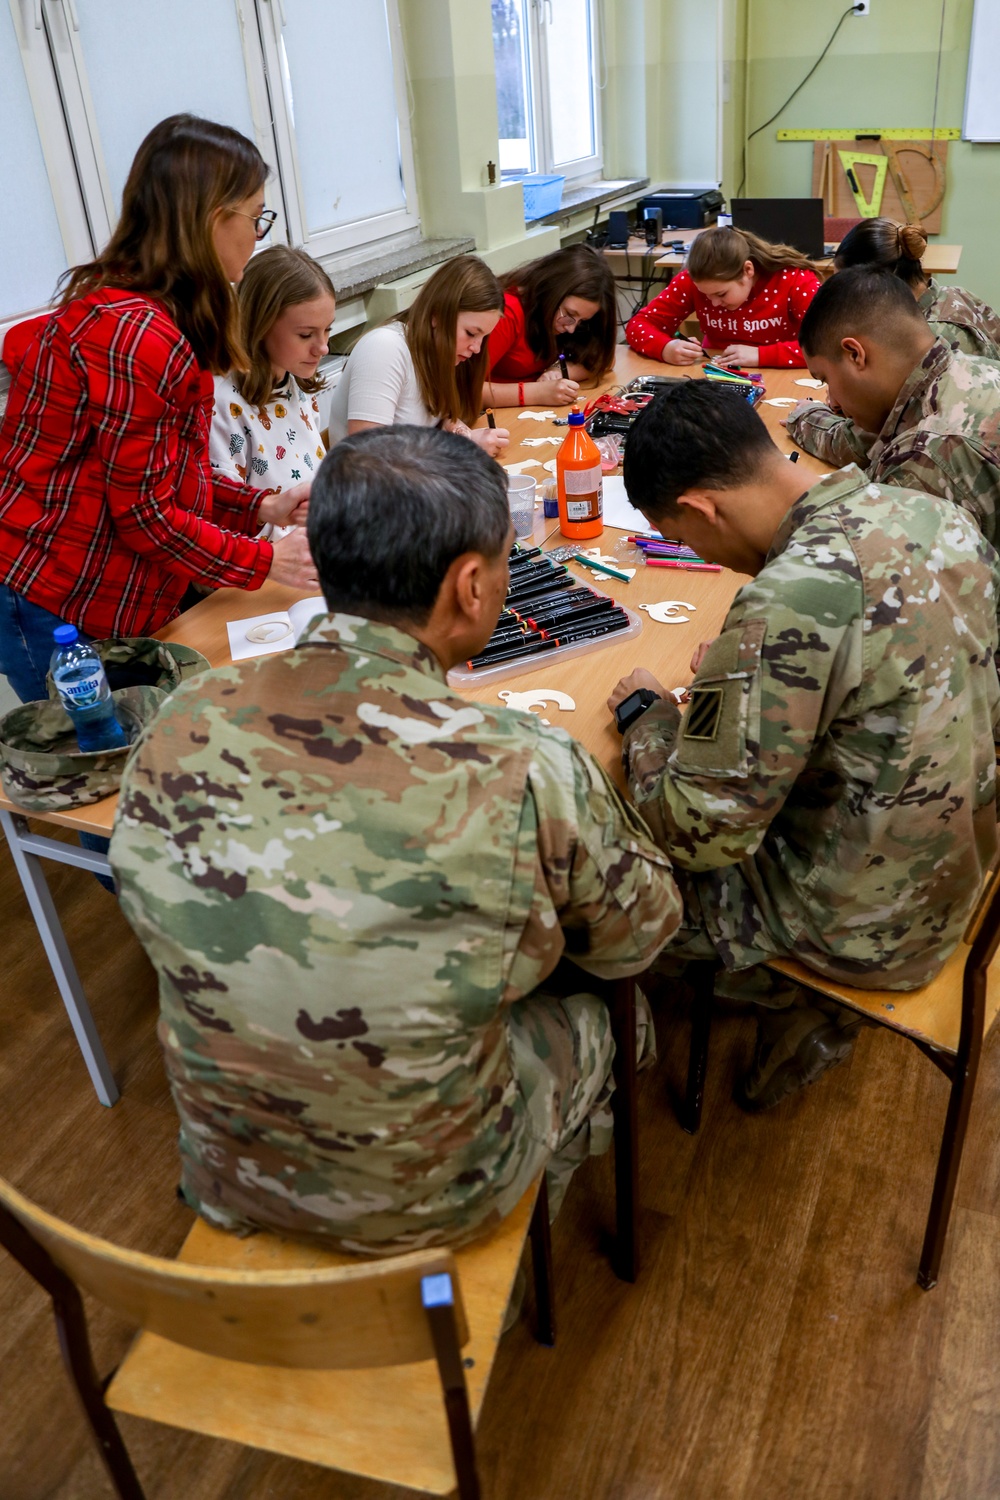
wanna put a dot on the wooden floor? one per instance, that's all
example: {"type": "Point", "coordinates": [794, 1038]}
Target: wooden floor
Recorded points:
{"type": "Point", "coordinates": [775, 1348]}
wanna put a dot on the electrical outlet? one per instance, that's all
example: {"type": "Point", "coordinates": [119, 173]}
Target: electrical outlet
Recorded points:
{"type": "Point", "coordinates": [862, 7]}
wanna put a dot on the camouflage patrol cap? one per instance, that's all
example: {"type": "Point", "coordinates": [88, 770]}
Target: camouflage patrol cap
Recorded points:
{"type": "Point", "coordinates": [43, 769]}
{"type": "Point", "coordinates": [160, 664]}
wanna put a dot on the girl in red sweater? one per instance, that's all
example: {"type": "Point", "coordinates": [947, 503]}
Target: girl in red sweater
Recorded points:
{"type": "Point", "coordinates": [561, 307]}
{"type": "Point", "coordinates": [750, 298]}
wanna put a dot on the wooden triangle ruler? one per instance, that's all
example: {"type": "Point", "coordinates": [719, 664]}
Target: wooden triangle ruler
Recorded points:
{"type": "Point", "coordinates": [867, 207]}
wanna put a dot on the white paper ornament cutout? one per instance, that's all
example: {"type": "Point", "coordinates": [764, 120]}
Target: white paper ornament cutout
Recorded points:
{"type": "Point", "coordinates": [541, 442]}
{"type": "Point", "coordinates": [816, 384]}
{"type": "Point", "coordinates": [537, 416]}
{"type": "Point", "coordinates": [537, 698]}
{"type": "Point", "coordinates": [665, 613]}
{"type": "Point", "coordinates": [269, 631]}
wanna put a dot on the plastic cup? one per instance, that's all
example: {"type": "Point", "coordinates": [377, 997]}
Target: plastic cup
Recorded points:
{"type": "Point", "coordinates": [521, 496]}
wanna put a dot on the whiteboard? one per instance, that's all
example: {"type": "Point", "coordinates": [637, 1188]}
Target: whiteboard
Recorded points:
{"type": "Point", "coordinates": [982, 97]}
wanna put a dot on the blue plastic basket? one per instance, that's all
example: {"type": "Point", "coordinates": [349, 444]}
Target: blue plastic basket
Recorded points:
{"type": "Point", "coordinates": [542, 195]}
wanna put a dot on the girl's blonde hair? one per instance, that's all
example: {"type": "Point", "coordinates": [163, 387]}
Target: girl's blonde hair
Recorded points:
{"type": "Point", "coordinates": [183, 173]}
{"type": "Point", "coordinates": [451, 392]}
{"type": "Point", "coordinates": [277, 278]}
{"type": "Point", "coordinates": [720, 254]}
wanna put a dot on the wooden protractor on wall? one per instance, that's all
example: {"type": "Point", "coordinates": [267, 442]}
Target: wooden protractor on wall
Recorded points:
{"type": "Point", "coordinates": [913, 183]}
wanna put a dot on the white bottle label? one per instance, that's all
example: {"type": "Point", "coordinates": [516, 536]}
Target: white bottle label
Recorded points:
{"type": "Point", "coordinates": [582, 481]}
{"type": "Point", "coordinates": [588, 485]}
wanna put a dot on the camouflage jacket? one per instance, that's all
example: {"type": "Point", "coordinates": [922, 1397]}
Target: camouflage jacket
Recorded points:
{"type": "Point", "coordinates": [959, 318]}
{"type": "Point", "coordinates": [343, 874]}
{"type": "Point", "coordinates": [832, 780]}
{"type": "Point", "coordinates": [941, 437]}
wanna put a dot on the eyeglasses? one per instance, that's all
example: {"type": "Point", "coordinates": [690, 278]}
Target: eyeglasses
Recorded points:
{"type": "Point", "coordinates": [262, 222]}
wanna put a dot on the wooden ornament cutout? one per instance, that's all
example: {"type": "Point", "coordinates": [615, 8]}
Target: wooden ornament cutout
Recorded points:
{"type": "Point", "coordinates": [537, 698]}
{"type": "Point", "coordinates": [665, 613]}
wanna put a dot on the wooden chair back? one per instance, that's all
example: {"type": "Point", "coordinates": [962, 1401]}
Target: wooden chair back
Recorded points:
{"type": "Point", "coordinates": [342, 1317]}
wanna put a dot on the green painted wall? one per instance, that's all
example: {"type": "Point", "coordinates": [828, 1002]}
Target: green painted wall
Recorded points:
{"type": "Point", "coordinates": [879, 72]}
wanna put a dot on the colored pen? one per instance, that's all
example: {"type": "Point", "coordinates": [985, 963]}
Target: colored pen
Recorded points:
{"type": "Point", "coordinates": [490, 419]}
{"type": "Point", "coordinates": [488, 658]}
{"type": "Point", "coordinates": [591, 562]}
{"type": "Point", "coordinates": [687, 567]}
{"type": "Point", "coordinates": [564, 367]}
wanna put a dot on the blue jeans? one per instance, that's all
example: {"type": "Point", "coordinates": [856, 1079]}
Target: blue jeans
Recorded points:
{"type": "Point", "coordinates": [26, 646]}
{"type": "Point", "coordinates": [26, 643]}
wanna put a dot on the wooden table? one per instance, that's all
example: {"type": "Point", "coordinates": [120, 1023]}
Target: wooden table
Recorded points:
{"type": "Point", "coordinates": [664, 649]}
{"type": "Point", "coordinates": [639, 263]}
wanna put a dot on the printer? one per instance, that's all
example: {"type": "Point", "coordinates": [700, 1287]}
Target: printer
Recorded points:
{"type": "Point", "coordinates": [684, 210]}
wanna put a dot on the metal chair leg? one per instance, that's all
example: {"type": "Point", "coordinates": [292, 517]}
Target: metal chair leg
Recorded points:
{"type": "Point", "coordinates": [702, 975]}
{"type": "Point", "coordinates": [541, 1266]}
{"type": "Point", "coordinates": [624, 1105]}
{"type": "Point", "coordinates": [953, 1139]}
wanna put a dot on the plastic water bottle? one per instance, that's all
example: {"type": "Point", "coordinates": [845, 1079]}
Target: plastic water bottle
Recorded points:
{"type": "Point", "coordinates": [84, 693]}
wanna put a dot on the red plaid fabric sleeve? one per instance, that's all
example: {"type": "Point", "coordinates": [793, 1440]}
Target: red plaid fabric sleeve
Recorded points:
{"type": "Point", "coordinates": [108, 506]}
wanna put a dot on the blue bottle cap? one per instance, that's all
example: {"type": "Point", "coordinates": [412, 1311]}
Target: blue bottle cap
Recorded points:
{"type": "Point", "coordinates": [576, 419]}
{"type": "Point", "coordinates": [65, 635]}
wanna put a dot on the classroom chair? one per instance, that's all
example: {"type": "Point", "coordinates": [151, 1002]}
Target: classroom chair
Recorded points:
{"type": "Point", "coordinates": [947, 1019]}
{"type": "Point", "coordinates": [354, 1365]}
{"type": "Point", "coordinates": [285, 1346]}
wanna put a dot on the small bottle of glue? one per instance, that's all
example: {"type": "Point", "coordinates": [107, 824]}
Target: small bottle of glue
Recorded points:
{"type": "Point", "coordinates": [579, 484]}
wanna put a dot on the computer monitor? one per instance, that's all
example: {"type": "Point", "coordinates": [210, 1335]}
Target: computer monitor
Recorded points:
{"type": "Point", "coordinates": [783, 221]}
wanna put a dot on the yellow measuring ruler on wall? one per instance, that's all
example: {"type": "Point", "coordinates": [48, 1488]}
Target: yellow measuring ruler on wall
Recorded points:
{"type": "Point", "coordinates": [856, 133]}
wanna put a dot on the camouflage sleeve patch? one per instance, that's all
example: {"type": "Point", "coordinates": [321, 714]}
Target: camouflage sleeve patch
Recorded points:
{"type": "Point", "coordinates": [724, 710]}
{"type": "Point", "coordinates": [830, 437]}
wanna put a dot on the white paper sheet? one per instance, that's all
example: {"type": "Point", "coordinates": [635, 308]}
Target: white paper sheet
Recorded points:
{"type": "Point", "coordinates": [265, 635]}
{"type": "Point", "coordinates": [619, 512]}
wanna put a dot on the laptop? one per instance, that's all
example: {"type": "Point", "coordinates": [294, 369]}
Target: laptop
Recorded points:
{"type": "Point", "coordinates": [783, 221]}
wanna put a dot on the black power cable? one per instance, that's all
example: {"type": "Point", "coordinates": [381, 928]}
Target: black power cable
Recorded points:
{"type": "Point", "coordinates": [797, 90]}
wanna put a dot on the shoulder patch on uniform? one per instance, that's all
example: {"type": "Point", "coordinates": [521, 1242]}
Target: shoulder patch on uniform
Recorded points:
{"type": "Point", "coordinates": [701, 722]}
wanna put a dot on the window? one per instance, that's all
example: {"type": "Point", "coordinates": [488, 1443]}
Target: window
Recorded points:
{"type": "Point", "coordinates": [545, 54]}
{"type": "Point", "coordinates": [318, 84]}
{"type": "Point", "coordinates": [338, 88]}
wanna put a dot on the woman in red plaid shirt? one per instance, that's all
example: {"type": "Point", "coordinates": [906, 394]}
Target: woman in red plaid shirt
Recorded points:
{"type": "Point", "coordinates": [109, 509]}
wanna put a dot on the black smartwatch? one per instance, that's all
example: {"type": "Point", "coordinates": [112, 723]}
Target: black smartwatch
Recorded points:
{"type": "Point", "coordinates": [633, 707]}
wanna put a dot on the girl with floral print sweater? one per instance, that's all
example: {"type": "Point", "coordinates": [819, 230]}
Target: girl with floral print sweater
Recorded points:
{"type": "Point", "coordinates": [266, 425]}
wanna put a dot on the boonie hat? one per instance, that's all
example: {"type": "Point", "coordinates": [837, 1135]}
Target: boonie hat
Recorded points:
{"type": "Point", "coordinates": [43, 769]}
{"type": "Point", "coordinates": [143, 661]}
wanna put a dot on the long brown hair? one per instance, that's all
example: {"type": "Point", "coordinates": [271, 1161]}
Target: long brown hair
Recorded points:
{"type": "Point", "coordinates": [277, 278]}
{"type": "Point", "coordinates": [543, 285]}
{"type": "Point", "coordinates": [891, 247]}
{"type": "Point", "coordinates": [465, 284]}
{"type": "Point", "coordinates": [162, 246]}
{"type": "Point", "coordinates": [720, 254]}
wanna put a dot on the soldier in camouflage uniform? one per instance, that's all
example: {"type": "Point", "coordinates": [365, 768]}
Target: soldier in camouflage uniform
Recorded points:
{"type": "Point", "coordinates": [954, 314]}
{"type": "Point", "coordinates": [372, 905]}
{"type": "Point", "coordinates": [830, 789]}
{"type": "Point", "coordinates": [903, 405]}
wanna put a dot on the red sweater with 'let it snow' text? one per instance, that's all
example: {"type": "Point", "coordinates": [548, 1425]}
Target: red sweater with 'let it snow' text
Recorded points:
{"type": "Point", "coordinates": [769, 319]}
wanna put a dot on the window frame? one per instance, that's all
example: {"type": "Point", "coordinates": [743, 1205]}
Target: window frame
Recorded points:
{"type": "Point", "coordinates": [538, 102]}
{"type": "Point", "coordinates": [580, 167]}
{"type": "Point", "coordinates": [359, 232]}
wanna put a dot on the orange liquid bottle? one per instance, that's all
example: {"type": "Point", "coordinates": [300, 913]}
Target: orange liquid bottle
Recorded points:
{"type": "Point", "coordinates": [578, 477]}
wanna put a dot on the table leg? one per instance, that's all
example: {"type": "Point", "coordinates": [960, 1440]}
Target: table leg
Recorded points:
{"type": "Point", "coordinates": [27, 850]}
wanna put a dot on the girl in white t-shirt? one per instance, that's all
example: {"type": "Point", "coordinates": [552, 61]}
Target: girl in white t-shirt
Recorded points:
{"type": "Point", "coordinates": [265, 425]}
{"type": "Point", "coordinates": [426, 367]}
